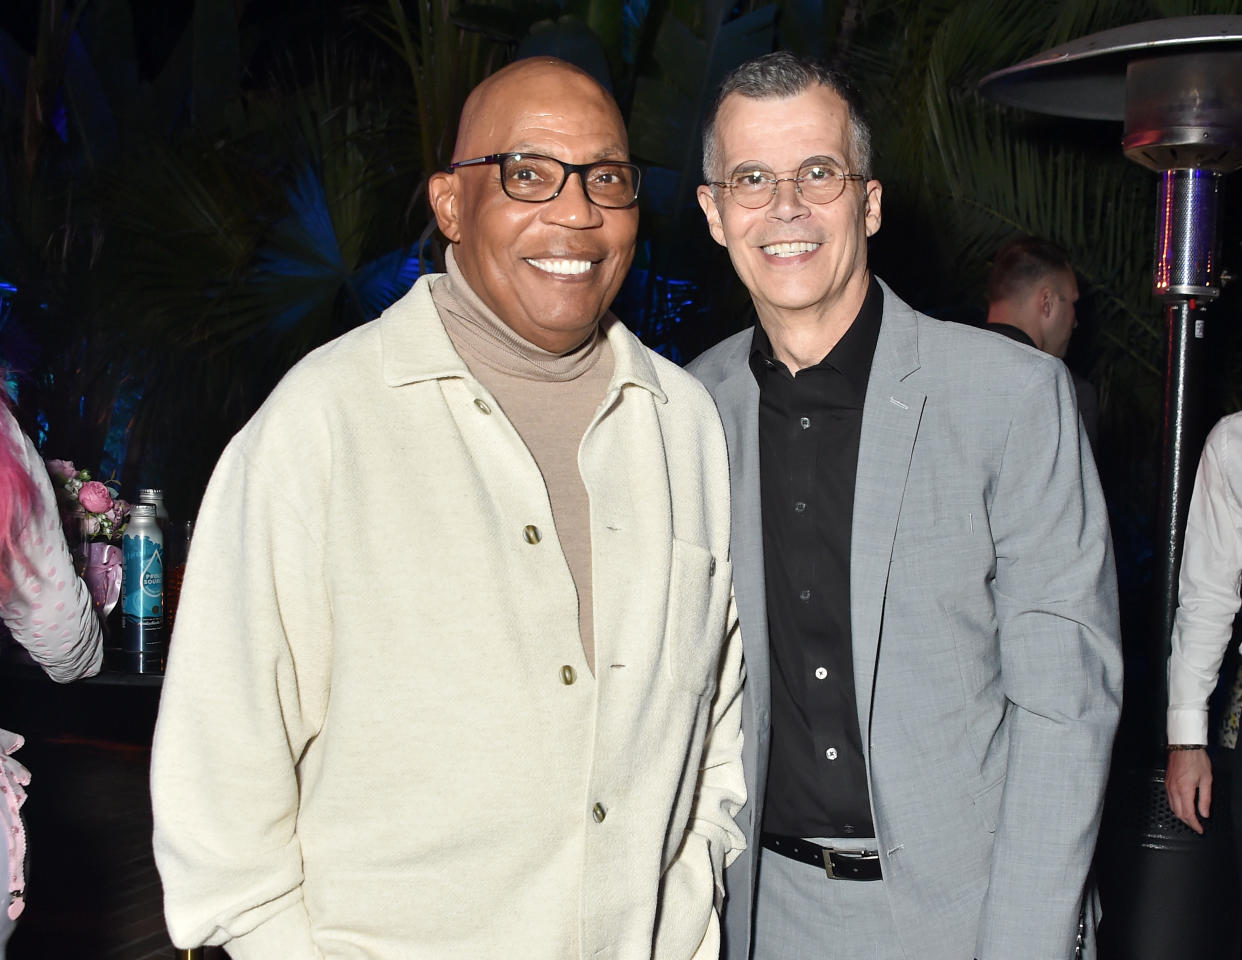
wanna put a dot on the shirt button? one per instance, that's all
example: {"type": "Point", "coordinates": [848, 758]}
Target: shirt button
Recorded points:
{"type": "Point", "coordinates": [598, 812]}
{"type": "Point", "coordinates": [805, 595]}
{"type": "Point", "coordinates": [799, 507]}
{"type": "Point", "coordinates": [568, 675]}
{"type": "Point", "coordinates": [482, 405]}
{"type": "Point", "coordinates": [804, 422]}
{"type": "Point", "coordinates": [531, 533]}
{"type": "Point", "coordinates": [831, 753]}
{"type": "Point", "coordinates": [821, 673]}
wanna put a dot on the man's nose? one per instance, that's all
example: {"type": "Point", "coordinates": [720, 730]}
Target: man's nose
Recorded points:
{"type": "Point", "coordinates": [788, 202]}
{"type": "Point", "coordinates": [572, 207]}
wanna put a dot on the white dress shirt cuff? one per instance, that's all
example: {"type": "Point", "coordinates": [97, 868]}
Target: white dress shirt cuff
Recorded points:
{"type": "Point", "coordinates": [1187, 726]}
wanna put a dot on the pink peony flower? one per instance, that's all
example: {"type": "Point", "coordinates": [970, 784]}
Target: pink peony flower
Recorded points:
{"type": "Point", "coordinates": [94, 497]}
{"type": "Point", "coordinates": [64, 469]}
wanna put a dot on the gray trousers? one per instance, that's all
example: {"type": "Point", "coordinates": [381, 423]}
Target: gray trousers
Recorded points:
{"type": "Point", "coordinates": [802, 914]}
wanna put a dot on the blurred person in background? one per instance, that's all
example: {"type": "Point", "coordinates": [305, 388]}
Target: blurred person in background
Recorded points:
{"type": "Point", "coordinates": [47, 609]}
{"type": "Point", "coordinates": [1031, 296]}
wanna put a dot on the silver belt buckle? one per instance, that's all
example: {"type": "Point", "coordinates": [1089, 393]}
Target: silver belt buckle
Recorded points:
{"type": "Point", "coordinates": [827, 853]}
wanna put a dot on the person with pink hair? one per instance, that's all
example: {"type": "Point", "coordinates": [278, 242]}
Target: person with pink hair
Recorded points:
{"type": "Point", "coordinates": [47, 609]}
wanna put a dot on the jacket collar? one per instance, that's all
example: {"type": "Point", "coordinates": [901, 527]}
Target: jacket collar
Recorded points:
{"type": "Point", "coordinates": [892, 415]}
{"type": "Point", "coordinates": [414, 346]}
{"type": "Point", "coordinates": [897, 349]}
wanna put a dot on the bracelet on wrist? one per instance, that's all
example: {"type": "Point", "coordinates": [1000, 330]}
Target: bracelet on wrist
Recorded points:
{"type": "Point", "coordinates": [1187, 746]}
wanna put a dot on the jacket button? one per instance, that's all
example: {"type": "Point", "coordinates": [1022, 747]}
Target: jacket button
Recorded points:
{"type": "Point", "coordinates": [531, 533]}
{"type": "Point", "coordinates": [598, 812]}
{"type": "Point", "coordinates": [567, 675]}
{"type": "Point", "coordinates": [482, 405]}
{"type": "Point", "coordinates": [711, 568]}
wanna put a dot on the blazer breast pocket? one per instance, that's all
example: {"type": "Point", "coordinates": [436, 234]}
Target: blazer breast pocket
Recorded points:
{"type": "Point", "coordinates": [698, 597]}
{"type": "Point", "coordinates": [947, 548]}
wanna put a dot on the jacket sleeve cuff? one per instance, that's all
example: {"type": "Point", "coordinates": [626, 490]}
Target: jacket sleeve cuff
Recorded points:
{"type": "Point", "coordinates": [287, 935]}
{"type": "Point", "coordinates": [1187, 726]}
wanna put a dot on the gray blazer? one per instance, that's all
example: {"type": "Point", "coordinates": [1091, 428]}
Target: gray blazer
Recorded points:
{"type": "Point", "coordinates": [987, 660]}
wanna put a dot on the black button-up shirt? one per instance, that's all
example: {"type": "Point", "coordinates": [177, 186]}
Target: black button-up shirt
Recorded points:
{"type": "Point", "coordinates": [809, 425]}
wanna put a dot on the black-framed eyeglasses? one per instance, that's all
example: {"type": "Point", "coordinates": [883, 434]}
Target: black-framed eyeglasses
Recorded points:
{"type": "Point", "coordinates": [818, 181]}
{"type": "Point", "coordinates": [534, 178]}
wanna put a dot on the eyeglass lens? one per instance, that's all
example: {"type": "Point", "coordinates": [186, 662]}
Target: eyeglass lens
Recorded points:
{"type": "Point", "coordinates": [536, 178]}
{"type": "Point", "coordinates": [818, 182]}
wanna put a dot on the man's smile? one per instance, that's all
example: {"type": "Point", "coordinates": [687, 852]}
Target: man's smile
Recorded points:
{"type": "Point", "coordinates": [564, 267]}
{"type": "Point", "coordinates": [788, 249]}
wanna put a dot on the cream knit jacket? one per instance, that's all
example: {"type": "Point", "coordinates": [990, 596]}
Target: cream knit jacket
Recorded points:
{"type": "Point", "coordinates": [378, 737]}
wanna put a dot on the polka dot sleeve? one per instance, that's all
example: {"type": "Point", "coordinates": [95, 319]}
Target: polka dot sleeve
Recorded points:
{"type": "Point", "coordinates": [49, 610]}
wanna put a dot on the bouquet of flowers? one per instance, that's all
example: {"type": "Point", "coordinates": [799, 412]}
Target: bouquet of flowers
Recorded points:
{"type": "Point", "coordinates": [101, 517]}
{"type": "Point", "coordinates": [102, 513]}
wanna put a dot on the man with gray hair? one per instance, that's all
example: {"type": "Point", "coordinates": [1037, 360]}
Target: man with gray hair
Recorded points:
{"type": "Point", "coordinates": [923, 573]}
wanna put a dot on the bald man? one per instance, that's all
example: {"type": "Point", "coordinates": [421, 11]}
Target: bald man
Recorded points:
{"type": "Point", "coordinates": [455, 672]}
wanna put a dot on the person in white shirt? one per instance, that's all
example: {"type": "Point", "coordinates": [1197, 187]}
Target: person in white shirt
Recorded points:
{"type": "Point", "coordinates": [1208, 600]}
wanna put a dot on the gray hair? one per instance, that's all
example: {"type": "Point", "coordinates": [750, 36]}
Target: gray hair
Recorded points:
{"type": "Point", "coordinates": [783, 74]}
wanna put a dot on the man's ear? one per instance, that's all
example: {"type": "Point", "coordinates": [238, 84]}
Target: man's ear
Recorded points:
{"type": "Point", "coordinates": [442, 195]}
{"type": "Point", "coordinates": [871, 212]}
{"type": "Point", "coordinates": [707, 200]}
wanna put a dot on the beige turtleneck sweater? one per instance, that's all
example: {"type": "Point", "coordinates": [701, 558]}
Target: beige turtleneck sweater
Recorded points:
{"type": "Point", "coordinates": [550, 400]}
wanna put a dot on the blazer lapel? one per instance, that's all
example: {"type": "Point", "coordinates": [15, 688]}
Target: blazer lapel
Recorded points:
{"type": "Point", "coordinates": [891, 415]}
{"type": "Point", "coordinates": [737, 399]}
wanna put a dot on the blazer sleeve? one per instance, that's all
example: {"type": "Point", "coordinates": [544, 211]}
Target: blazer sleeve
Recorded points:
{"type": "Point", "coordinates": [244, 693]}
{"type": "Point", "coordinates": [1056, 606]}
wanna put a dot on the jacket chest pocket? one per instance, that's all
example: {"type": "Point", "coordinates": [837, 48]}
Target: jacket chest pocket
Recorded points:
{"type": "Point", "coordinates": [698, 597]}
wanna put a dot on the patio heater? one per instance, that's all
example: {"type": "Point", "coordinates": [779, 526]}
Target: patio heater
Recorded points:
{"type": "Point", "coordinates": [1177, 86]}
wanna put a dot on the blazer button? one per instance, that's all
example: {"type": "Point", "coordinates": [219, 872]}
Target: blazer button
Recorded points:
{"type": "Point", "coordinates": [598, 812]}
{"type": "Point", "coordinates": [567, 675]}
{"type": "Point", "coordinates": [482, 405]}
{"type": "Point", "coordinates": [711, 568]}
{"type": "Point", "coordinates": [531, 533]}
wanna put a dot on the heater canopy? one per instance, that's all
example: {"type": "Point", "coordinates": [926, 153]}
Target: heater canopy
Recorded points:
{"type": "Point", "coordinates": [1177, 84]}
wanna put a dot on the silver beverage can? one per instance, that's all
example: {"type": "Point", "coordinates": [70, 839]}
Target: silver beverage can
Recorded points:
{"type": "Point", "coordinates": [143, 642]}
{"type": "Point", "coordinates": [155, 496]}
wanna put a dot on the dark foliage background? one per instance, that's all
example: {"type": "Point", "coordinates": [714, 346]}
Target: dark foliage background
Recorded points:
{"type": "Point", "coordinates": [194, 193]}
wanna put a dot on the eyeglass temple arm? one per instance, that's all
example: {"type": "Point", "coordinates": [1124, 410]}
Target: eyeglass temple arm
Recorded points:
{"type": "Point", "coordinates": [474, 162]}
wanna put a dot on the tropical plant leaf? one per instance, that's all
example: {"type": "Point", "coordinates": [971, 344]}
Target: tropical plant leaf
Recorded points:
{"type": "Point", "coordinates": [571, 40]}
{"type": "Point", "coordinates": [216, 71]}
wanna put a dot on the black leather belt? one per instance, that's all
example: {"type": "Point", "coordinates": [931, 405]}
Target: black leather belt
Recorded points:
{"type": "Point", "coordinates": [839, 865]}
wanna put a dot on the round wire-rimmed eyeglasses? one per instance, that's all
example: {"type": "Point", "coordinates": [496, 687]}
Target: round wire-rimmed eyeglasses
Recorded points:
{"type": "Point", "coordinates": [817, 181]}
{"type": "Point", "coordinates": [534, 178]}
